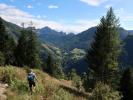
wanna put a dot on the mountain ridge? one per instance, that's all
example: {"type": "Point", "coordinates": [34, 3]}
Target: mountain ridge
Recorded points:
{"type": "Point", "coordinates": [54, 41]}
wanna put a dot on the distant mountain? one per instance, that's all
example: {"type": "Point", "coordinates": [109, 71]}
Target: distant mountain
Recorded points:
{"type": "Point", "coordinates": [67, 41]}
{"type": "Point", "coordinates": [48, 30]}
{"type": "Point", "coordinates": [12, 29]}
{"type": "Point", "coordinates": [123, 33]}
{"type": "Point", "coordinates": [47, 49]}
{"type": "Point", "coordinates": [70, 41]}
{"type": "Point", "coordinates": [61, 39]}
{"type": "Point", "coordinates": [49, 35]}
{"type": "Point", "coordinates": [130, 32]}
{"type": "Point", "coordinates": [127, 57]}
{"type": "Point", "coordinates": [61, 45]}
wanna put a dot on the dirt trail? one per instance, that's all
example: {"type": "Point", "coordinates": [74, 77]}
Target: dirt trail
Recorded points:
{"type": "Point", "coordinates": [2, 91]}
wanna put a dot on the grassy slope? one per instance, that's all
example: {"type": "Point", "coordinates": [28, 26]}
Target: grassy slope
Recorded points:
{"type": "Point", "coordinates": [48, 88]}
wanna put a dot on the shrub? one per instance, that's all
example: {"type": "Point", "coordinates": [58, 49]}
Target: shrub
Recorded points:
{"type": "Point", "coordinates": [39, 89]}
{"type": "Point", "coordinates": [20, 86]}
{"type": "Point", "coordinates": [7, 75]}
{"type": "Point", "coordinates": [2, 59]}
{"type": "Point", "coordinates": [76, 80]}
{"type": "Point", "coordinates": [61, 94]}
{"type": "Point", "coordinates": [104, 92]}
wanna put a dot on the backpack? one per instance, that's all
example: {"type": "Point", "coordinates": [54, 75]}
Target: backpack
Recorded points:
{"type": "Point", "coordinates": [30, 77]}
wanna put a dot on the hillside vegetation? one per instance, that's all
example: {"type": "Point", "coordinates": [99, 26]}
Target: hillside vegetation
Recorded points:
{"type": "Point", "coordinates": [48, 88]}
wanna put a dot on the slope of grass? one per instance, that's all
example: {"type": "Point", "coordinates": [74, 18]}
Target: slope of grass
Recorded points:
{"type": "Point", "coordinates": [47, 88]}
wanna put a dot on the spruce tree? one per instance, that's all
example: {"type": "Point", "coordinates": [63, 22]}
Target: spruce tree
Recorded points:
{"type": "Point", "coordinates": [49, 64]}
{"type": "Point", "coordinates": [28, 52]}
{"type": "Point", "coordinates": [7, 44]}
{"type": "Point", "coordinates": [126, 85]}
{"type": "Point", "coordinates": [33, 50]}
{"type": "Point", "coordinates": [103, 55]}
{"type": "Point", "coordinates": [21, 49]}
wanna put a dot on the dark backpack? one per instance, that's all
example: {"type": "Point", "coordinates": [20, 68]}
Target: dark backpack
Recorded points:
{"type": "Point", "coordinates": [30, 77]}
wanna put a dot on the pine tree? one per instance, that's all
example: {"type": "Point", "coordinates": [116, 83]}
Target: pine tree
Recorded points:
{"type": "Point", "coordinates": [28, 52]}
{"type": "Point", "coordinates": [7, 44]}
{"type": "Point", "coordinates": [49, 64]}
{"type": "Point", "coordinates": [103, 55]}
{"type": "Point", "coordinates": [33, 51]}
{"type": "Point", "coordinates": [21, 49]}
{"type": "Point", "coordinates": [126, 85]}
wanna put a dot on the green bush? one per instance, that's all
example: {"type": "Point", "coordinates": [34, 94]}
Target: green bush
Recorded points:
{"type": "Point", "coordinates": [61, 94]}
{"type": "Point", "coordinates": [49, 89]}
{"type": "Point", "coordinates": [104, 92]}
{"type": "Point", "coordinates": [8, 75]}
{"type": "Point", "coordinates": [20, 86]}
{"type": "Point", "coordinates": [39, 89]}
{"type": "Point", "coordinates": [76, 80]}
{"type": "Point", "coordinates": [2, 59]}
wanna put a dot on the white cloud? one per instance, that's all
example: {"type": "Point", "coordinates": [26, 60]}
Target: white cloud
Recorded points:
{"type": "Point", "coordinates": [17, 16]}
{"type": "Point", "coordinates": [53, 7]}
{"type": "Point", "coordinates": [12, 11]}
{"type": "Point", "coordinates": [80, 25]}
{"type": "Point", "coordinates": [94, 2]}
{"type": "Point", "coordinates": [29, 6]}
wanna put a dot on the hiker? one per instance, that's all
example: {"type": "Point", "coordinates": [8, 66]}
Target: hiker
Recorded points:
{"type": "Point", "coordinates": [32, 80]}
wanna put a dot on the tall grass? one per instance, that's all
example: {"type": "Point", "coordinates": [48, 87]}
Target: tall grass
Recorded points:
{"type": "Point", "coordinates": [47, 88]}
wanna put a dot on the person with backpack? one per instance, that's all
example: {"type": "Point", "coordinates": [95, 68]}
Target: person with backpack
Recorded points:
{"type": "Point", "coordinates": [32, 80]}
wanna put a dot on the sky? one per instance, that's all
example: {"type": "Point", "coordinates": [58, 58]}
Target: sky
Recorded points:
{"type": "Point", "coordinates": [65, 15]}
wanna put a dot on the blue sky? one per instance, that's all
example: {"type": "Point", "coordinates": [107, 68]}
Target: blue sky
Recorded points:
{"type": "Point", "coordinates": [65, 15]}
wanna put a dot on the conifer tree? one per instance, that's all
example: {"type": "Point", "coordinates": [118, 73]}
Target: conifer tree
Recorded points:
{"type": "Point", "coordinates": [105, 49]}
{"type": "Point", "coordinates": [7, 44]}
{"type": "Point", "coordinates": [33, 51]}
{"type": "Point", "coordinates": [49, 64]}
{"type": "Point", "coordinates": [21, 49]}
{"type": "Point", "coordinates": [28, 52]}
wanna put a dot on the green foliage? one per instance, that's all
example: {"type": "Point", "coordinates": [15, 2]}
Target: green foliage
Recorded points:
{"type": "Point", "coordinates": [103, 55]}
{"type": "Point", "coordinates": [76, 80]}
{"type": "Point", "coordinates": [2, 59]}
{"type": "Point", "coordinates": [7, 44]}
{"type": "Point", "coordinates": [88, 82]}
{"type": "Point", "coordinates": [64, 95]}
{"type": "Point", "coordinates": [47, 87]}
{"type": "Point", "coordinates": [71, 74]}
{"type": "Point", "coordinates": [53, 67]}
{"type": "Point", "coordinates": [77, 54]}
{"type": "Point", "coordinates": [27, 51]}
{"type": "Point", "coordinates": [57, 71]}
{"type": "Point", "coordinates": [104, 92]}
{"type": "Point", "coordinates": [126, 86]}
{"type": "Point", "coordinates": [7, 75]}
{"type": "Point", "coordinates": [20, 86]}
{"type": "Point", "coordinates": [21, 49]}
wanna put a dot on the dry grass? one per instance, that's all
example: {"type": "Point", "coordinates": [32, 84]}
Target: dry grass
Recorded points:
{"type": "Point", "coordinates": [48, 88]}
